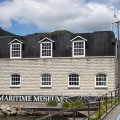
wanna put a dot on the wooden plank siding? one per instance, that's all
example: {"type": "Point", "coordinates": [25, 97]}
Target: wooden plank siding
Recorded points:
{"type": "Point", "coordinates": [97, 44]}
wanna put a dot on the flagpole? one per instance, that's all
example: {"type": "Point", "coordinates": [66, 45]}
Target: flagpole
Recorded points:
{"type": "Point", "coordinates": [118, 42]}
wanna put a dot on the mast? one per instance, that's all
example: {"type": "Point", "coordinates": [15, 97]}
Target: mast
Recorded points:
{"type": "Point", "coordinates": [118, 50]}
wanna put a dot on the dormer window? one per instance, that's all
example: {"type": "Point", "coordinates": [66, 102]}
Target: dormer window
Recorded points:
{"type": "Point", "coordinates": [15, 49]}
{"type": "Point", "coordinates": [78, 46]}
{"type": "Point", "coordinates": [46, 47]}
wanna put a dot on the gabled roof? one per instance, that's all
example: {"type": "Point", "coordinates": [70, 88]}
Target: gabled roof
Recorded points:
{"type": "Point", "coordinates": [78, 37]}
{"type": "Point", "coordinates": [45, 39]}
{"type": "Point", "coordinates": [15, 40]}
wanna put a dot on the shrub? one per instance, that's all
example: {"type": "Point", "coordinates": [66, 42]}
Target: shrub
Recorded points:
{"type": "Point", "coordinates": [97, 115]}
{"type": "Point", "coordinates": [76, 103]}
{"type": "Point", "coordinates": [102, 112]}
{"type": "Point", "coordinates": [52, 103]}
{"type": "Point", "coordinates": [66, 104]}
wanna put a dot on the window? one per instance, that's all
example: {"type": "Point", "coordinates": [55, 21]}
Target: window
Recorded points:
{"type": "Point", "coordinates": [100, 80]}
{"type": "Point", "coordinates": [15, 50]}
{"type": "Point", "coordinates": [46, 49]}
{"type": "Point", "coordinates": [74, 80]}
{"type": "Point", "coordinates": [15, 80]}
{"type": "Point", "coordinates": [46, 80]}
{"type": "Point", "coordinates": [78, 48]}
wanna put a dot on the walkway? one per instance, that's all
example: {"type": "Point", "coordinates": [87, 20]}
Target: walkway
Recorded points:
{"type": "Point", "coordinates": [114, 114]}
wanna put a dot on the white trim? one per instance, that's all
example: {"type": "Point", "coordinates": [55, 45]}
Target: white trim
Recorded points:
{"type": "Point", "coordinates": [101, 86]}
{"type": "Point", "coordinates": [15, 86]}
{"type": "Point", "coordinates": [15, 40]}
{"type": "Point", "coordinates": [46, 86]}
{"type": "Point", "coordinates": [45, 39]}
{"type": "Point", "coordinates": [73, 49]}
{"type": "Point", "coordinates": [74, 86]}
{"type": "Point", "coordinates": [41, 50]}
{"type": "Point", "coordinates": [11, 50]}
{"type": "Point", "coordinates": [78, 37]}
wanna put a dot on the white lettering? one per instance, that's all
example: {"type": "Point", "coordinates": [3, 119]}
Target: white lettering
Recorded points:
{"type": "Point", "coordinates": [29, 98]}
{"type": "Point", "coordinates": [36, 98]}
{"type": "Point", "coordinates": [59, 99]}
{"type": "Point", "coordinates": [45, 98]}
{"type": "Point", "coordinates": [6, 98]}
{"type": "Point", "coordinates": [1, 98]}
{"type": "Point", "coordinates": [10, 98]}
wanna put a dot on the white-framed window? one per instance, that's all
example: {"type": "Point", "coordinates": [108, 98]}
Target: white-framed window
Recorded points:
{"type": "Point", "coordinates": [15, 50]}
{"type": "Point", "coordinates": [46, 80]}
{"type": "Point", "coordinates": [74, 80]}
{"type": "Point", "coordinates": [46, 49]}
{"type": "Point", "coordinates": [15, 80]}
{"type": "Point", "coordinates": [78, 48]}
{"type": "Point", "coordinates": [101, 80]}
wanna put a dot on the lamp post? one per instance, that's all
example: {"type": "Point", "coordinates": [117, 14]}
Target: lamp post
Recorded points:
{"type": "Point", "coordinates": [118, 50]}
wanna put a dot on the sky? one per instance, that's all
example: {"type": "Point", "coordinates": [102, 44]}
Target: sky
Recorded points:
{"type": "Point", "coordinates": [24, 17]}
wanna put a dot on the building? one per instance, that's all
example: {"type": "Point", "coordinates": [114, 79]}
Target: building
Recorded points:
{"type": "Point", "coordinates": [82, 64]}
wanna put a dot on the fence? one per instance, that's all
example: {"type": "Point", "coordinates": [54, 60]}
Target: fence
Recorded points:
{"type": "Point", "coordinates": [104, 105]}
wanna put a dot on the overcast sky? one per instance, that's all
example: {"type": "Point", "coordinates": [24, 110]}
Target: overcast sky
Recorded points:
{"type": "Point", "coordinates": [28, 16]}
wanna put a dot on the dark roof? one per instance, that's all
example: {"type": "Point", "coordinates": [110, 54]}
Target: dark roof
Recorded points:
{"type": "Point", "coordinates": [101, 43]}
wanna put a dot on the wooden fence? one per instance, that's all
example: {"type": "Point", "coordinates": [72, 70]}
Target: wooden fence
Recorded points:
{"type": "Point", "coordinates": [104, 105]}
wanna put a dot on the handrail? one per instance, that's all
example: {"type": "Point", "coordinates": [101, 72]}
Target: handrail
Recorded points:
{"type": "Point", "coordinates": [98, 102]}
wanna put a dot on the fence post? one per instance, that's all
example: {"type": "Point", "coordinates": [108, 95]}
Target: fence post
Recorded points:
{"type": "Point", "coordinates": [111, 99]}
{"type": "Point", "coordinates": [99, 107]}
{"type": "Point", "coordinates": [73, 114]}
{"type": "Point", "coordinates": [115, 97]}
{"type": "Point", "coordinates": [106, 103]}
{"type": "Point", "coordinates": [88, 111]}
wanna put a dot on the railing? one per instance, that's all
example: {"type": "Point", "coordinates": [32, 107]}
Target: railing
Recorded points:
{"type": "Point", "coordinates": [104, 105]}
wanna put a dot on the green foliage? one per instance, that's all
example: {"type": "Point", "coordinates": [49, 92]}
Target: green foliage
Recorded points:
{"type": "Point", "coordinates": [98, 115]}
{"type": "Point", "coordinates": [115, 100]}
{"type": "Point", "coordinates": [60, 32]}
{"type": "Point", "coordinates": [65, 104]}
{"type": "Point", "coordinates": [104, 102]}
{"type": "Point", "coordinates": [52, 103]}
{"type": "Point", "coordinates": [57, 32]}
{"type": "Point", "coordinates": [5, 33]}
{"type": "Point", "coordinates": [102, 111]}
{"type": "Point", "coordinates": [76, 103]}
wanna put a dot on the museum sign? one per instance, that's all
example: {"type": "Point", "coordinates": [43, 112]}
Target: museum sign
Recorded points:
{"type": "Point", "coordinates": [31, 98]}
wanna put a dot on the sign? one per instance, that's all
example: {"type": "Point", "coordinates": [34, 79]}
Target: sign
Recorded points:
{"type": "Point", "coordinates": [30, 98]}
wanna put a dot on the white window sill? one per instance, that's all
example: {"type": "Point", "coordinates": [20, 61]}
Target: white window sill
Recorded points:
{"type": "Point", "coordinates": [15, 86]}
{"type": "Point", "coordinates": [101, 87]}
{"type": "Point", "coordinates": [15, 57]}
{"type": "Point", "coordinates": [44, 86]}
{"type": "Point", "coordinates": [79, 56]}
{"type": "Point", "coordinates": [46, 57]}
{"type": "Point", "coordinates": [73, 87]}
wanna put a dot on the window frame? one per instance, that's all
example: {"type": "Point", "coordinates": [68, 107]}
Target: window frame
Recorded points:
{"type": "Point", "coordinates": [101, 86]}
{"type": "Point", "coordinates": [41, 81]}
{"type": "Point", "coordinates": [11, 45]}
{"type": "Point", "coordinates": [51, 50]}
{"type": "Point", "coordinates": [73, 86]}
{"type": "Point", "coordinates": [73, 48]}
{"type": "Point", "coordinates": [16, 86]}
